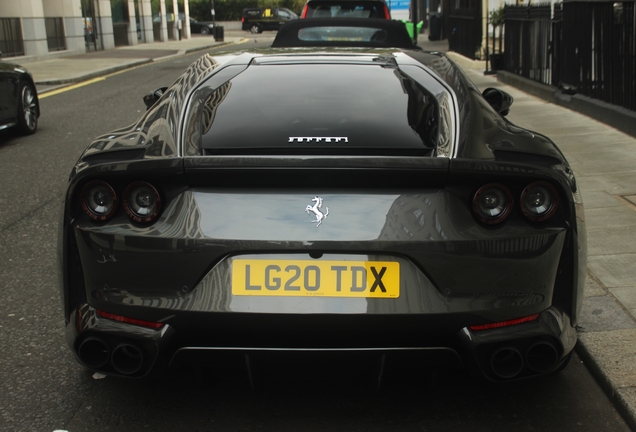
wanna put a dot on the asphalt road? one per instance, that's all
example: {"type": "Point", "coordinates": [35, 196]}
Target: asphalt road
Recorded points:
{"type": "Point", "coordinates": [42, 388]}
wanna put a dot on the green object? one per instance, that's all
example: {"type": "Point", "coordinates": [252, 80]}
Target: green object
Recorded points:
{"type": "Point", "coordinates": [409, 27]}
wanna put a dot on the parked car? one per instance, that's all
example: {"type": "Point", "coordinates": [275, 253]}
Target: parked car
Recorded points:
{"type": "Point", "coordinates": [346, 9]}
{"type": "Point", "coordinates": [205, 28]}
{"type": "Point", "coordinates": [383, 207]}
{"type": "Point", "coordinates": [257, 20]}
{"type": "Point", "coordinates": [19, 105]}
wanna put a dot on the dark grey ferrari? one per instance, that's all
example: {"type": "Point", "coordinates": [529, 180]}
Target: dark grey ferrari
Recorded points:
{"type": "Point", "coordinates": [324, 200]}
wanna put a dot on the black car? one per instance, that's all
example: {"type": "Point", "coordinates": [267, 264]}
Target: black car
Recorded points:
{"type": "Point", "coordinates": [257, 20]}
{"type": "Point", "coordinates": [19, 105]}
{"type": "Point", "coordinates": [204, 28]}
{"type": "Point", "coordinates": [384, 207]}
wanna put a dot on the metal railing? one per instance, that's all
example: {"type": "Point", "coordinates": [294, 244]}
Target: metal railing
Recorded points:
{"type": "Point", "coordinates": [587, 47]}
{"type": "Point", "coordinates": [527, 42]}
{"type": "Point", "coordinates": [464, 32]}
{"type": "Point", "coordinates": [599, 51]}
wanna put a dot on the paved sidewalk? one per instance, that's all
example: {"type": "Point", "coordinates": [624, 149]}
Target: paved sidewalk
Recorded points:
{"type": "Point", "coordinates": [57, 72]}
{"type": "Point", "coordinates": [603, 159]}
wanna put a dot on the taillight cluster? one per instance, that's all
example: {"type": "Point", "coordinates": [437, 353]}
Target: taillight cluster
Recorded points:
{"type": "Point", "coordinates": [493, 202]}
{"type": "Point", "coordinates": [387, 14]}
{"type": "Point", "coordinates": [141, 201]}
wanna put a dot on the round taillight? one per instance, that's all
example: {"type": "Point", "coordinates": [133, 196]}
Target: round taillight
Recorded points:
{"type": "Point", "coordinates": [142, 202]}
{"type": "Point", "coordinates": [99, 200]}
{"type": "Point", "coordinates": [492, 203]}
{"type": "Point", "coordinates": [539, 201]}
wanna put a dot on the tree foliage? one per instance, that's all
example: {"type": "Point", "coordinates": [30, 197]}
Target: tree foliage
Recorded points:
{"type": "Point", "coordinates": [496, 16]}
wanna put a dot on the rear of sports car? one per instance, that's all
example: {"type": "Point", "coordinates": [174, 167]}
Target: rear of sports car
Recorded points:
{"type": "Point", "coordinates": [323, 203]}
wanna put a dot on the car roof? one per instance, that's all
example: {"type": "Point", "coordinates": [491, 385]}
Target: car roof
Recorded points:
{"type": "Point", "coordinates": [345, 9]}
{"type": "Point", "coordinates": [346, 1]}
{"type": "Point", "coordinates": [343, 32]}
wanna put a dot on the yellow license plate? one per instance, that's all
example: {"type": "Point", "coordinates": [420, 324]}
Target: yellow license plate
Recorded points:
{"type": "Point", "coordinates": [298, 278]}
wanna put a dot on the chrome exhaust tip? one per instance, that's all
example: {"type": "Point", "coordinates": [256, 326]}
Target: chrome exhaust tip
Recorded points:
{"type": "Point", "coordinates": [506, 362]}
{"type": "Point", "coordinates": [93, 352]}
{"type": "Point", "coordinates": [542, 356]}
{"type": "Point", "coordinates": [127, 359]}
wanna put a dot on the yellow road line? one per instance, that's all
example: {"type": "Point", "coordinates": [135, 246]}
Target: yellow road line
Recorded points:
{"type": "Point", "coordinates": [46, 94]}
{"type": "Point", "coordinates": [71, 87]}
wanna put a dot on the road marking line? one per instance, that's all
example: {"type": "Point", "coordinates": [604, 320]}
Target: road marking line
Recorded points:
{"type": "Point", "coordinates": [46, 94]}
{"type": "Point", "coordinates": [71, 87]}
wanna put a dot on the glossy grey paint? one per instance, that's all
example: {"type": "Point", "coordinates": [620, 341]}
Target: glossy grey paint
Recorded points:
{"type": "Point", "coordinates": [436, 243]}
{"type": "Point", "coordinates": [457, 272]}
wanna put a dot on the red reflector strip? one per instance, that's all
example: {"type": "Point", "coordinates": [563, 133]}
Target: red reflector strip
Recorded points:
{"type": "Point", "coordinates": [127, 320]}
{"type": "Point", "coordinates": [504, 323]}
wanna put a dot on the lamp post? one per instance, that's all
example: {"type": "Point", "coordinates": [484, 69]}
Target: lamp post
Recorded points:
{"type": "Point", "coordinates": [414, 19]}
{"type": "Point", "coordinates": [213, 13]}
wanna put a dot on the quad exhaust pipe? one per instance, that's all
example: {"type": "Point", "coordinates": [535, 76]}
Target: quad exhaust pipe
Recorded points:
{"type": "Point", "coordinates": [93, 352]}
{"type": "Point", "coordinates": [507, 362]}
{"type": "Point", "coordinates": [541, 356]}
{"type": "Point", "coordinates": [127, 358]}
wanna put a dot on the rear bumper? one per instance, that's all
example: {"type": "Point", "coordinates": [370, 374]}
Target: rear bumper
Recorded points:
{"type": "Point", "coordinates": [448, 265]}
{"type": "Point", "coordinates": [515, 352]}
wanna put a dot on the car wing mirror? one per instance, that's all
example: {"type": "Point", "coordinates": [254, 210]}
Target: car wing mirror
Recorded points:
{"type": "Point", "coordinates": [151, 98]}
{"type": "Point", "coordinates": [498, 99]}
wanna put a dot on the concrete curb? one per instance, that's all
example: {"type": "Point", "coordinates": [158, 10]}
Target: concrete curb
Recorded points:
{"type": "Point", "coordinates": [533, 88]}
{"type": "Point", "coordinates": [607, 329]}
{"type": "Point", "coordinates": [466, 63]}
{"type": "Point", "coordinates": [216, 45]}
{"type": "Point", "coordinates": [60, 83]}
{"type": "Point", "coordinates": [617, 117]}
{"type": "Point", "coordinates": [605, 382]}
{"type": "Point", "coordinates": [95, 74]}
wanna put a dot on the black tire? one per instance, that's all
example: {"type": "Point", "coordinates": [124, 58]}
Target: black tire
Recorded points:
{"type": "Point", "coordinates": [255, 28]}
{"type": "Point", "coordinates": [27, 109]}
{"type": "Point", "coordinates": [205, 31]}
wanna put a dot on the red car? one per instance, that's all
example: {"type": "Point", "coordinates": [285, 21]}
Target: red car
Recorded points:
{"type": "Point", "coordinates": [346, 9]}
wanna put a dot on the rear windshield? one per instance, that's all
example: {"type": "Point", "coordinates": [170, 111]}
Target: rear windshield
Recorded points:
{"type": "Point", "coordinates": [342, 34]}
{"type": "Point", "coordinates": [314, 109]}
{"type": "Point", "coordinates": [345, 9]}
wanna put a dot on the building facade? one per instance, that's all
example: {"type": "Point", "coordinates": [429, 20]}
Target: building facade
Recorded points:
{"type": "Point", "coordinates": [40, 29]}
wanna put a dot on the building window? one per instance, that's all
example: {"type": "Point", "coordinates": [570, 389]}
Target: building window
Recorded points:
{"type": "Point", "coordinates": [11, 43]}
{"type": "Point", "coordinates": [55, 34]}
